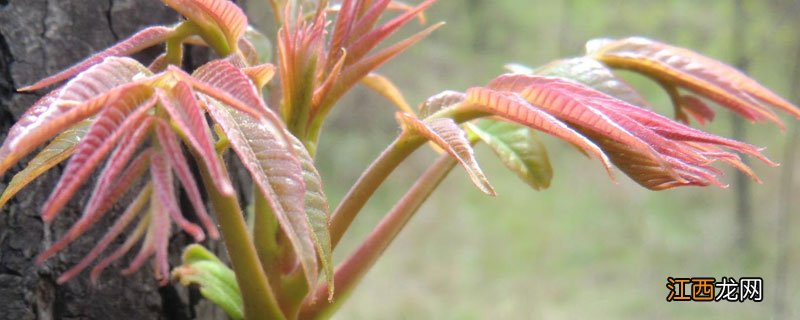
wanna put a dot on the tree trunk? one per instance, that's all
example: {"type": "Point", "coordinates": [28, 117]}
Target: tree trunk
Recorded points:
{"type": "Point", "coordinates": [37, 38]}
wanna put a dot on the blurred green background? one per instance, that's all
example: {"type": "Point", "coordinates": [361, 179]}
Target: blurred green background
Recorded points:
{"type": "Point", "coordinates": [585, 247]}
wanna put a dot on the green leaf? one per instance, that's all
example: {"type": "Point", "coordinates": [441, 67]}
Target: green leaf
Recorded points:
{"type": "Point", "coordinates": [217, 282]}
{"type": "Point", "coordinates": [262, 47]}
{"type": "Point", "coordinates": [518, 149]}
{"type": "Point", "coordinates": [55, 152]}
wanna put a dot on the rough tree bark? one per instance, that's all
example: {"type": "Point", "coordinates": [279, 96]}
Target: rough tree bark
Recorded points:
{"type": "Point", "coordinates": [39, 37]}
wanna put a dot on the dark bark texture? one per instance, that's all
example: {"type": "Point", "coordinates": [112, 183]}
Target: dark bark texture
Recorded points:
{"type": "Point", "coordinates": [37, 38]}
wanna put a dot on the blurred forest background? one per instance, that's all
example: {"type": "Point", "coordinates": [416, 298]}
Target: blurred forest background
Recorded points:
{"type": "Point", "coordinates": [585, 247]}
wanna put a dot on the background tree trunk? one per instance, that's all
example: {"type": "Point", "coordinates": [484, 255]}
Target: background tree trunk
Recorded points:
{"type": "Point", "coordinates": [742, 185]}
{"type": "Point", "coordinates": [37, 38]}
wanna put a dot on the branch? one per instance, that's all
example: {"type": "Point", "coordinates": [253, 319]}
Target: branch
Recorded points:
{"type": "Point", "coordinates": [369, 181]}
{"type": "Point", "coordinates": [352, 270]}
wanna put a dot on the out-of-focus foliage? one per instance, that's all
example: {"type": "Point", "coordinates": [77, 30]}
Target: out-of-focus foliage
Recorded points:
{"type": "Point", "coordinates": [605, 255]}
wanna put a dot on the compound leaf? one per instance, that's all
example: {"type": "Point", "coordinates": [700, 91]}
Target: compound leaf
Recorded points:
{"type": "Point", "coordinates": [700, 74]}
{"type": "Point", "coordinates": [278, 175]}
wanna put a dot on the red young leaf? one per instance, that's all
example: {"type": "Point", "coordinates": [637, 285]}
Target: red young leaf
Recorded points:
{"type": "Point", "coordinates": [109, 188]}
{"type": "Point", "coordinates": [141, 40]}
{"type": "Point", "coordinates": [559, 98]}
{"type": "Point", "coordinates": [163, 187]}
{"type": "Point", "coordinates": [161, 232]}
{"type": "Point", "coordinates": [368, 15]}
{"type": "Point", "coordinates": [695, 107]}
{"type": "Point", "coordinates": [513, 107]}
{"type": "Point", "coordinates": [119, 117]}
{"type": "Point", "coordinates": [345, 22]}
{"type": "Point", "coordinates": [358, 70]}
{"type": "Point", "coordinates": [142, 228]}
{"type": "Point", "coordinates": [676, 131]}
{"type": "Point", "coordinates": [366, 41]}
{"type": "Point", "coordinates": [101, 78]}
{"type": "Point", "coordinates": [440, 101]}
{"type": "Point", "coordinates": [223, 81]}
{"type": "Point", "coordinates": [175, 156]}
{"type": "Point", "coordinates": [650, 148]}
{"type": "Point", "coordinates": [648, 172]}
{"type": "Point", "coordinates": [148, 247]}
{"type": "Point", "coordinates": [449, 136]}
{"type": "Point", "coordinates": [708, 77]}
{"type": "Point", "coordinates": [49, 116]}
{"type": "Point", "coordinates": [184, 109]}
{"type": "Point", "coordinates": [119, 226]}
{"type": "Point", "coordinates": [325, 87]}
{"type": "Point", "coordinates": [214, 17]}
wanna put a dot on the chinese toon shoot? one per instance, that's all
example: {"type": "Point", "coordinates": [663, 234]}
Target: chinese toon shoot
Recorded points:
{"type": "Point", "coordinates": [142, 125]}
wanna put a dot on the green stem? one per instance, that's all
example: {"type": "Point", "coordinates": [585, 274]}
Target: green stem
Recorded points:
{"type": "Point", "coordinates": [369, 181]}
{"type": "Point", "coordinates": [278, 259]}
{"type": "Point", "coordinates": [259, 300]}
{"type": "Point", "coordinates": [352, 270]}
{"type": "Point", "coordinates": [174, 48]}
{"type": "Point", "coordinates": [265, 238]}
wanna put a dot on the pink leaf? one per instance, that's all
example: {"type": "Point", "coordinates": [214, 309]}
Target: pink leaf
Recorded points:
{"type": "Point", "coordinates": [119, 117]}
{"type": "Point", "coordinates": [178, 161]}
{"type": "Point", "coordinates": [278, 175]}
{"type": "Point", "coordinates": [119, 226]}
{"type": "Point", "coordinates": [184, 109]}
{"type": "Point", "coordinates": [109, 188]}
{"type": "Point", "coordinates": [49, 116]}
{"type": "Point", "coordinates": [141, 40]}
{"type": "Point", "coordinates": [449, 136]}
{"type": "Point", "coordinates": [163, 188]}
{"type": "Point", "coordinates": [513, 107]}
